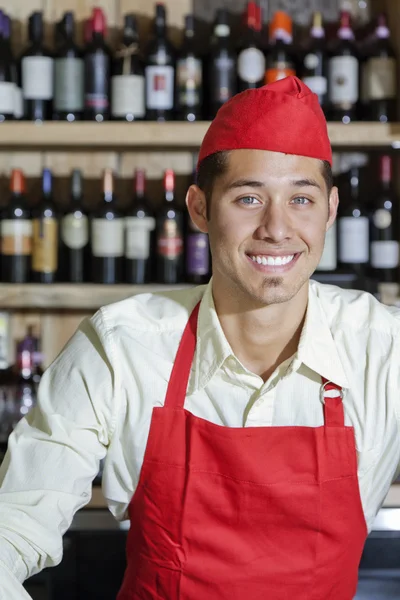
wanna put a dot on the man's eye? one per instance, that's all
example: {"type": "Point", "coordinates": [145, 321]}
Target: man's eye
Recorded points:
{"type": "Point", "coordinates": [300, 200]}
{"type": "Point", "coordinates": [249, 200]}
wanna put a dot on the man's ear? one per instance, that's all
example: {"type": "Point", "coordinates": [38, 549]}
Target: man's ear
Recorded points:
{"type": "Point", "coordinates": [197, 206]}
{"type": "Point", "coordinates": [333, 207]}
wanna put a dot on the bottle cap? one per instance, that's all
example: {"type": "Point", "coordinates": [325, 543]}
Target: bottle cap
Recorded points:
{"type": "Point", "coordinates": [99, 21]}
{"type": "Point", "coordinates": [108, 181]}
{"type": "Point", "coordinates": [251, 15]}
{"type": "Point", "coordinates": [169, 180]}
{"type": "Point", "coordinates": [385, 162]}
{"type": "Point", "coordinates": [281, 22]}
{"type": "Point", "coordinates": [17, 182]}
{"type": "Point", "coordinates": [76, 183]}
{"type": "Point", "coordinates": [140, 181]}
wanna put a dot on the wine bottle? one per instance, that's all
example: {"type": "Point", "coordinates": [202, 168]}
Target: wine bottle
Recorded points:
{"type": "Point", "coordinates": [68, 74]}
{"type": "Point", "coordinates": [139, 223]}
{"type": "Point", "coordinates": [280, 62]}
{"type": "Point", "coordinates": [45, 234]}
{"type": "Point", "coordinates": [37, 73]}
{"type": "Point", "coordinates": [127, 82]}
{"type": "Point", "coordinates": [385, 226]}
{"type": "Point", "coordinates": [7, 71]}
{"type": "Point", "coordinates": [169, 234]}
{"type": "Point", "coordinates": [328, 261]}
{"type": "Point", "coordinates": [251, 59]}
{"type": "Point", "coordinates": [97, 71]}
{"type": "Point", "coordinates": [314, 63]}
{"type": "Point", "coordinates": [354, 229]}
{"type": "Point", "coordinates": [16, 234]}
{"type": "Point", "coordinates": [379, 76]}
{"type": "Point", "coordinates": [107, 233]}
{"type": "Point", "coordinates": [160, 71]}
{"type": "Point", "coordinates": [189, 76]}
{"type": "Point", "coordinates": [343, 74]}
{"type": "Point", "coordinates": [197, 255]}
{"type": "Point", "coordinates": [75, 234]}
{"type": "Point", "coordinates": [18, 108]}
{"type": "Point", "coordinates": [222, 79]}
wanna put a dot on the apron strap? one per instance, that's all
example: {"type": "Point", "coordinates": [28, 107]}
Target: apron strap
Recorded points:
{"type": "Point", "coordinates": [178, 381]}
{"type": "Point", "coordinates": [333, 405]}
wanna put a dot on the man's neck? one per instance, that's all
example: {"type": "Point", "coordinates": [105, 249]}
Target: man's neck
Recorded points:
{"type": "Point", "coordinates": [262, 338]}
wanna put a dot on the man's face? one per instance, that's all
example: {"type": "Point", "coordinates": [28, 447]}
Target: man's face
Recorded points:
{"type": "Point", "coordinates": [267, 222]}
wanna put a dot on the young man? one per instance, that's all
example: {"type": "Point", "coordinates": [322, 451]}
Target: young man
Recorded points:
{"type": "Point", "coordinates": [250, 426]}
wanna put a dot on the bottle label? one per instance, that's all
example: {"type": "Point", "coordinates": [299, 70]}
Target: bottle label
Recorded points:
{"type": "Point", "coordinates": [7, 92]}
{"type": "Point", "coordinates": [107, 237]}
{"type": "Point", "coordinates": [45, 245]}
{"type": "Point", "coordinates": [381, 78]}
{"type": "Point", "coordinates": [75, 231]}
{"type": "Point", "coordinates": [317, 84]}
{"type": "Point", "coordinates": [223, 79]}
{"type": "Point", "coordinates": [137, 237]}
{"type": "Point", "coordinates": [279, 71]}
{"type": "Point", "coordinates": [37, 77]}
{"type": "Point", "coordinates": [160, 87]}
{"type": "Point", "coordinates": [385, 255]}
{"type": "Point", "coordinates": [353, 239]}
{"type": "Point", "coordinates": [18, 103]}
{"type": "Point", "coordinates": [343, 78]}
{"type": "Point", "coordinates": [16, 237]}
{"type": "Point", "coordinates": [97, 76]}
{"type": "Point", "coordinates": [311, 61]}
{"type": "Point", "coordinates": [328, 260]}
{"type": "Point", "coordinates": [189, 81]}
{"type": "Point", "coordinates": [170, 241]}
{"type": "Point", "coordinates": [382, 218]}
{"type": "Point", "coordinates": [251, 65]}
{"type": "Point", "coordinates": [127, 96]}
{"type": "Point", "coordinates": [197, 258]}
{"type": "Point", "coordinates": [68, 84]}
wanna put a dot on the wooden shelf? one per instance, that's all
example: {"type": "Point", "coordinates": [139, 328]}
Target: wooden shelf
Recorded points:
{"type": "Point", "coordinates": [123, 136]}
{"type": "Point", "coordinates": [61, 296]}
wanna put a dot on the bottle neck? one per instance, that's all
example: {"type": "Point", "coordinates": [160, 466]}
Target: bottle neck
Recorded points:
{"type": "Point", "coordinates": [281, 35]}
{"type": "Point", "coordinates": [169, 196]}
{"type": "Point", "coordinates": [25, 363]}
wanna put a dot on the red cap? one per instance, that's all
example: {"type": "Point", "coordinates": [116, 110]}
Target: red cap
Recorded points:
{"type": "Point", "coordinates": [284, 116]}
{"type": "Point", "coordinates": [17, 183]}
{"type": "Point", "coordinates": [98, 21]}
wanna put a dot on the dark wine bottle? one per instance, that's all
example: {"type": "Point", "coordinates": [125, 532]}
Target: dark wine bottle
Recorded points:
{"type": "Point", "coordinates": [379, 76]}
{"type": "Point", "coordinates": [75, 234]}
{"type": "Point", "coordinates": [45, 234]}
{"type": "Point", "coordinates": [16, 234]}
{"type": "Point", "coordinates": [97, 71]}
{"type": "Point", "coordinates": [139, 223]}
{"type": "Point", "coordinates": [280, 60]}
{"type": "Point", "coordinates": [222, 80]}
{"type": "Point", "coordinates": [314, 62]}
{"type": "Point", "coordinates": [7, 71]}
{"type": "Point", "coordinates": [107, 233]}
{"type": "Point", "coordinates": [354, 229]}
{"type": "Point", "coordinates": [37, 73]}
{"type": "Point", "coordinates": [197, 255]}
{"type": "Point", "coordinates": [189, 77]}
{"type": "Point", "coordinates": [160, 71]}
{"type": "Point", "coordinates": [169, 235]}
{"type": "Point", "coordinates": [68, 75]}
{"type": "Point", "coordinates": [127, 82]}
{"type": "Point", "coordinates": [251, 59]}
{"type": "Point", "coordinates": [385, 227]}
{"type": "Point", "coordinates": [343, 74]}
{"type": "Point", "coordinates": [16, 72]}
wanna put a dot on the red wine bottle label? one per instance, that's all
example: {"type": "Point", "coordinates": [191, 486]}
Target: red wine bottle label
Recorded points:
{"type": "Point", "coordinates": [189, 81]}
{"type": "Point", "coordinates": [343, 78]}
{"type": "Point", "coordinates": [44, 245]}
{"type": "Point", "coordinates": [127, 96]}
{"type": "Point", "coordinates": [353, 239]}
{"type": "Point", "coordinates": [328, 260]}
{"type": "Point", "coordinates": [380, 78]}
{"type": "Point", "coordinates": [138, 237]}
{"type": "Point", "coordinates": [385, 255]}
{"type": "Point", "coordinates": [7, 93]}
{"type": "Point", "coordinates": [37, 77]}
{"type": "Point", "coordinates": [107, 237]}
{"type": "Point", "coordinates": [160, 87]}
{"type": "Point", "coordinates": [75, 231]}
{"type": "Point", "coordinates": [170, 241]}
{"type": "Point", "coordinates": [16, 237]}
{"type": "Point", "coordinates": [251, 65]}
{"type": "Point", "coordinates": [197, 257]}
{"type": "Point", "coordinates": [68, 85]}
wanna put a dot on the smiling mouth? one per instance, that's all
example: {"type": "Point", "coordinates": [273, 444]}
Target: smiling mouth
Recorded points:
{"type": "Point", "coordinates": [269, 263]}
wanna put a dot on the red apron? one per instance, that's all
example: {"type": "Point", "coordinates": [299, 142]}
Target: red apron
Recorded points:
{"type": "Point", "coordinates": [243, 513]}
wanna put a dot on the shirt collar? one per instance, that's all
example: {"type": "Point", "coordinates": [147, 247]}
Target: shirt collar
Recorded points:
{"type": "Point", "coordinates": [317, 349]}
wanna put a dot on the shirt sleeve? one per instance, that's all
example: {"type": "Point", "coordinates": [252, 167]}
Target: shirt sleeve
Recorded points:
{"type": "Point", "coordinates": [54, 454]}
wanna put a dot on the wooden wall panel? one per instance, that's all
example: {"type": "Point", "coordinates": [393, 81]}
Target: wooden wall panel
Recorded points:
{"type": "Point", "coordinates": [155, 163]}
{"type": "Point", "coordinates": [56, 330]}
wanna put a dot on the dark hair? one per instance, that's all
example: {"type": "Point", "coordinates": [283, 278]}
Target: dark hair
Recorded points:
{"type": "Point", "coordinates": [216, 164]}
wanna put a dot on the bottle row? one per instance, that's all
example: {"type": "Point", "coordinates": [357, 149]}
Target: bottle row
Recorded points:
{"type": "Point", "coordinates": [157, 81]}
{"type": "Point", "coordinates": [46, 244]}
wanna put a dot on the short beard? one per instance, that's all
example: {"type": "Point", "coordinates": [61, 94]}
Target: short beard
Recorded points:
{"type": "Point", "coordinates": [272, 282]}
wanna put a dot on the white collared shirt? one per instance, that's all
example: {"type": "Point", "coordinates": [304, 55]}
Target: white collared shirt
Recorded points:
{"type": "Point", "coordinates": [96, 401]}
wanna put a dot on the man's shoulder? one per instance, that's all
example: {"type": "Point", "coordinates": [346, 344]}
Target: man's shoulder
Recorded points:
{"type": "Point", "coordinates": [356, 310]}
{"type": "Point", "coordinates": [158, 311]}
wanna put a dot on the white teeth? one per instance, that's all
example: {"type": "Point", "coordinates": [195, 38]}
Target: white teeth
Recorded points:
{"type": "Point", "coordinates": [276, 261]}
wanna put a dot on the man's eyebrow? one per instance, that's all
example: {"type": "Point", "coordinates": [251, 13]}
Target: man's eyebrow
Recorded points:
{"type": "Point", "coordinates": [306, 182]}
{"type": "Point", "coordinates": [238, 183]}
